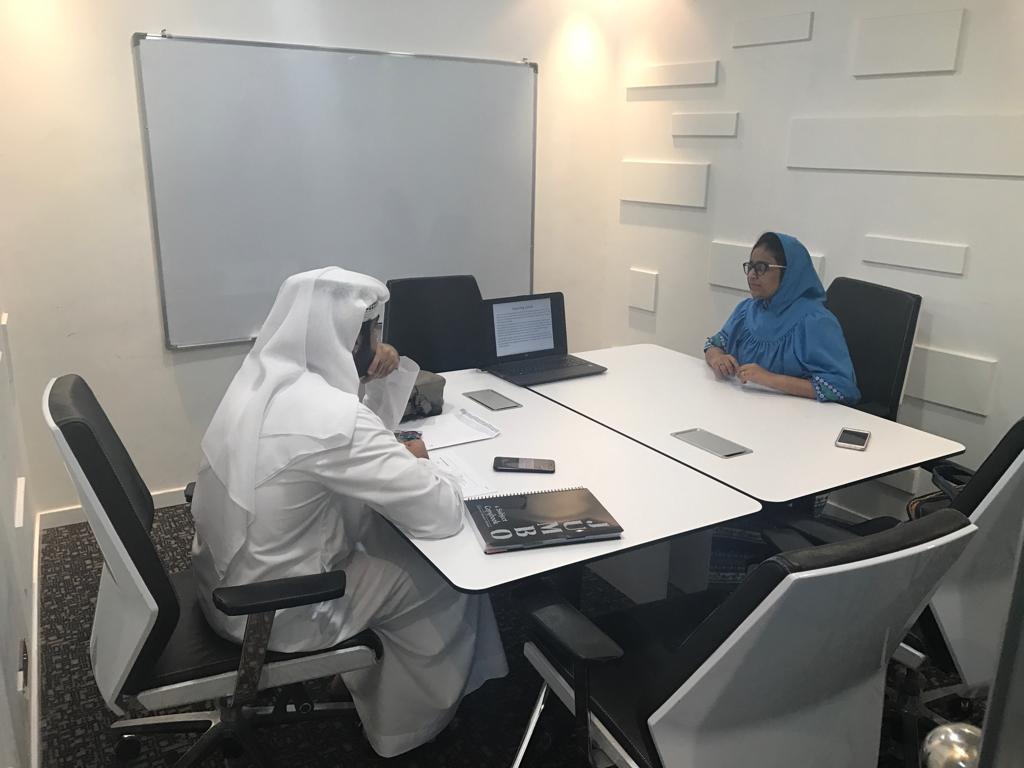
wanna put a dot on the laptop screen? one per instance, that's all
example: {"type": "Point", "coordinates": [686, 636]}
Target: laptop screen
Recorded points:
{"type": "Point", "coordinates": [523, 326]}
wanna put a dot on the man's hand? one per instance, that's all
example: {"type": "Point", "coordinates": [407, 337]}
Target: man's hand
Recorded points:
{"type": "Point", "coordinates": [385, 361]}
{"type": "Point", "coordinates": [417, 448]}
{"type": "Point", "coordinates": [752, 372]}
{"type": "Point", "coordinates": [724, 365]}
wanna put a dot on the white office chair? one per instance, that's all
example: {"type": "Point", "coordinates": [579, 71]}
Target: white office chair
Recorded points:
{"type": "Point", "coordinates": [788, 670]}
{"type": "Point", "coordinates": [151, 647]}
{"type": "Point", "coordinates": [971, 604]}
{"type": "Point", "coordinates": [966, 619]}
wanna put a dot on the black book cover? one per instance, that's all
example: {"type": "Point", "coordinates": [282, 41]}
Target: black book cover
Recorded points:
{"type": "Point", "coordinates": [541, 519]}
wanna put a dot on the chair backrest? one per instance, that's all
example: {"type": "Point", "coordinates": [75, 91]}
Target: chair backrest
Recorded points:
{"type": "Point", "coordinates": [879, 324]}
{"type": "Point", "coordinates": [437, 321]}
{"type": "Point", "coordinates": [791, 666]}
{"type": "Point", "coordinates": [1003, 742]}
{"type": "Point", "coordinates": [136, 609]}
{"type": "Point", "coordinates": [972, 602]}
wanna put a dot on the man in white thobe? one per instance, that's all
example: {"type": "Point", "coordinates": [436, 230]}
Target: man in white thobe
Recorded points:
{"type": "Point", "coordinates": [302, 474]}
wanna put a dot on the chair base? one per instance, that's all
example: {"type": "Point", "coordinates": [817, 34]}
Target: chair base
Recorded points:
{"type": "Point", "coordinates": [966, 699]}
{"type": "Point", "coordinates": [227, 726]}
{"type": "Point", "coordinates": [604, 750]}
{"type": "Point", "coordinates": [914, 706]}
{"type": "Point", "coordinates": [597, 758]}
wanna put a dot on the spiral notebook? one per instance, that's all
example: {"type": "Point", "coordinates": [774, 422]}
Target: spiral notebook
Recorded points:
{"type": "Point", "coordinates": [505, 522]}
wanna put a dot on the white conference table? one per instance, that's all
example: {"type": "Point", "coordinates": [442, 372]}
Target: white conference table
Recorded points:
{"type": "Point", "coordinates": [653, 497]}
{"type": "Point", "coordinates": [649, 392]}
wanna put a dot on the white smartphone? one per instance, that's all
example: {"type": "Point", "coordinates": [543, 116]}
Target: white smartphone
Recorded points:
{"type": "Point", "coordinates": [854, 439]}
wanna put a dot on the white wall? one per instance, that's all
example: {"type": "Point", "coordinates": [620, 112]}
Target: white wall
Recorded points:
{"type": "Point", "coordinates": [76, 258]}
{"type": "Point", "coordinates": [16, 549]}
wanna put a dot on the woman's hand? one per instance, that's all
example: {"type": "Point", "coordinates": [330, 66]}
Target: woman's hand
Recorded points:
{"type": "Point", "coordinates": [790, 385]}
{"type": "Point", "coordinates": [724, 365]}
{"type": "Point", "coordinates": [754, 373]}
{"type": "Point", "coordinates": [385, 361]}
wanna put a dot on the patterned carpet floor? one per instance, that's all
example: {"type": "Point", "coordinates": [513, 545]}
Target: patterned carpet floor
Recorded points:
{"type": "Point", "coordinates": [486, 731]}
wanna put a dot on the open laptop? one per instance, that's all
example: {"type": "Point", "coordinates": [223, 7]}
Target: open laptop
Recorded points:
{"type": "Point", "coordinates": [529, 340]}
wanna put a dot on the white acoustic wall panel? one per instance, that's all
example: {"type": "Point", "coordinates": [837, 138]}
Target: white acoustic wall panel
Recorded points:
{"type": "Point", "coordinates": [643, 288]}
{"type": "Point", "coordinates": [704, 123]}
{"type": "Point", "coordinates": [987, 145]}
{"type": "Point", "coordinates": [667, 75]}
{"type": "Point", "coordinates": [772, 29]}
{"type": "Point", "coordinates": [725, 265]}
{"type": "Point", "coordinates": [914, 254]}
{"type": "Point", "coordinates": [684, 184]}
{"type": "Point", "coordinates": [950, 378]}
{"type": "Point", "coordinates": [909, 44]}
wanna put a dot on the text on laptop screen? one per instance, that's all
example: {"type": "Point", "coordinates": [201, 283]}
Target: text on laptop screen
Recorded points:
{"type": "Point", "coordinates": [523, 326]}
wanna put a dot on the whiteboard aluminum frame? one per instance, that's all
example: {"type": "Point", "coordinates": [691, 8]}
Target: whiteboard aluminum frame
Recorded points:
{"type": "Point", "coordinates": [138, 37]}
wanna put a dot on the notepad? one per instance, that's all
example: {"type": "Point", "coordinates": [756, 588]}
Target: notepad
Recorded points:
{"type": "Point", "coordinates": [534, 519]}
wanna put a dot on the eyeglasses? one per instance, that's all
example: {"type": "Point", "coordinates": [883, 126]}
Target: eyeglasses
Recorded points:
{"type": "Point", "coordinates": [759, 268]}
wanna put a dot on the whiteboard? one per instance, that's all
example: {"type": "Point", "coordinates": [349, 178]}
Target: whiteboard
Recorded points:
{"type": "Point", "coordinates": [266, 159]}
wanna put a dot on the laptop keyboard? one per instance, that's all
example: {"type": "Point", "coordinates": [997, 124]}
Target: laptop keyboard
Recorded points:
{"type": "Point", "coordinates": [541, 364]}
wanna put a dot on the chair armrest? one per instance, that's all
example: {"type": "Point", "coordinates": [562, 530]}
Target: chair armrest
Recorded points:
{"type": "Point", "coordinates": [785, 539]}
{"type": "Point", "coordinates": [813, 532]}
{"type": "Point", "coordinates": [931, 466]}
{"type": "Point", "coordinates": [950, 477]}
{"type": "Point", "coordinates": [909, 657]}
{"type": "Point", "coordinates": [559, 624]}
{"type": "Point", "coordinates": [266, 596]}
{"type": "Point", "coordinates": [821, 532]}
{"type": "Point", "coordinates": [568, 629]}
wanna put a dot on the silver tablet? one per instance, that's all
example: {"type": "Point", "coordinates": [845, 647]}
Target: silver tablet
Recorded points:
{"type": "Point", "coordinates": [493, 400]}
{"type": "Point", "coordinates": [710, 442]}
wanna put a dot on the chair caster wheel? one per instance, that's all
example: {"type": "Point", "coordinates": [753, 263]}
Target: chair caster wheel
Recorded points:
{"type": "Point", "coordinates": [965, 708]}
{"type": "Point", "coordinates": [128, 748]}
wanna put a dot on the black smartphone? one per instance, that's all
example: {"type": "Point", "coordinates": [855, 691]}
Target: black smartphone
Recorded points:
{"type": "Point", "coordinates": [513, 464]}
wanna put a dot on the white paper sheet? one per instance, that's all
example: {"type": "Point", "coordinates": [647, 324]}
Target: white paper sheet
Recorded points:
{"type": "Point", "coordinates": [451, 428]}
{"type": "Point", "coordinates": [752, 386]}
{"type": "Point", "coordinates": [467, 477]}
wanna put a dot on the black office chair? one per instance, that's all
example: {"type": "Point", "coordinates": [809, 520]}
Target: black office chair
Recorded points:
{"type": "Point", "coordinates": [438, 321]}
{"type": "Point", "coordinates": [788, 670]}
{"type": "Point", "coordinates": [879, 325]}
{"type": "Point", "coordinates": [151, 647]}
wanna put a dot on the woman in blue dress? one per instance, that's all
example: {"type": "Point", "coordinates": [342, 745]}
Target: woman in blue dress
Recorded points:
{"type": "Point", "coordinates": [783, 337]}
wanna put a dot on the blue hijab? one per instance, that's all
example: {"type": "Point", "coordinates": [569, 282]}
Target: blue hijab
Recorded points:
{"type": "Point", "coordinates": [792, 333]}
